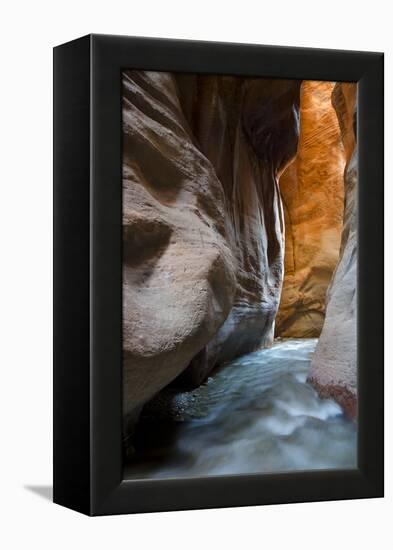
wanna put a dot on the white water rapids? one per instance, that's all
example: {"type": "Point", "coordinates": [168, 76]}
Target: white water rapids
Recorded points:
{"type": "Point", "coordinates": [256, 414]}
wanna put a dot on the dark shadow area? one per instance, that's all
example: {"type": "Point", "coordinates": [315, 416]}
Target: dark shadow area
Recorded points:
{"type": "Point", "coordinates": [154, 446]}
{"type": "Point", "coordinates": [44, 491]}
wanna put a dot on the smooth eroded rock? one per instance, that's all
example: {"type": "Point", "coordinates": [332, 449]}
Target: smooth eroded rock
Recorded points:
{"type": "Point", "coordinates": [334, 365]}
{"type": "Point", "coordinates": [249, 130]}
{"type": "Point", "coordinates": [202, 223]}
{"type": "Point", "coordinates": [312, 190]}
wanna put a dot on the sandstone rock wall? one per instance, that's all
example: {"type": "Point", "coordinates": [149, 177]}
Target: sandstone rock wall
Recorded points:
{"type": "Point", "coordinates": [312, 190]}
{"type": "Point", "coordinates": [334, 364]}
{"type": "Point", "coordinates": [202, 222]}
{"type": "Point", "coordinates": [248, 129]}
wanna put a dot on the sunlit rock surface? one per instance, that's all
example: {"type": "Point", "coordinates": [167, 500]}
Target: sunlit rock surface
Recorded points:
{"type": "Point", "coordinates": [334, 365]}
{"type": "Point", "coordinates": [312, 190]}
{"type": "Point", "coordinates": [202, 223]}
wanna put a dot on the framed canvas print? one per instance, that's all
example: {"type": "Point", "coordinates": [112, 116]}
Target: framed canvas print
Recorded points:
{"type": "Point", "coordinates": [218, 275]}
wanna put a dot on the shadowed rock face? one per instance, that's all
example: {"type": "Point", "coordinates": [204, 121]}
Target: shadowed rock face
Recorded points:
{"type": "Point", "coordinates": [249, 130]}
{"type": "Point", "coordinates": [333, 367]}
{"type": "Point", "coordinates": [312, 191]}
{"type": "Point", "coordinates": [202, 223]}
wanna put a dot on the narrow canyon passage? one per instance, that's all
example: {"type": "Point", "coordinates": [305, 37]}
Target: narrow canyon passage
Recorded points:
{"type": "Point", "coordinates": [239, 275]}
{"type": "Point", "coordinates": [255, 414]}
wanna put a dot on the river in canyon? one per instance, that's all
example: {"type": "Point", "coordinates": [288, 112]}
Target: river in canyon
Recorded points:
{"type": "Point", "coordinates": [255, 414]}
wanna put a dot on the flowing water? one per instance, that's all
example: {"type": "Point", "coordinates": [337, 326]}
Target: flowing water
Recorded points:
{"type": "Point", "coordinates": [256, 414]}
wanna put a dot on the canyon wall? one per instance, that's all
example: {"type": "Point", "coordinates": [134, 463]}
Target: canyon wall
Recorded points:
{"type": "Point", "coordinates": [202, 223]}
{"type": "Point", "coordinates": [334, 364]}
{"type": "Point", "coordinates": [248, 129]}
{"type": "Point", "coordinates": [312, 192]}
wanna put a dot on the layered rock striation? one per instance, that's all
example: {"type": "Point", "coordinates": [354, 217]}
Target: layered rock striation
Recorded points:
{"type": "Point", "coordinates": [334, 364]}
{"type": "Point", "coordinates": [202, 223]}
{"type": "Point", "coordinates": [312, 190]}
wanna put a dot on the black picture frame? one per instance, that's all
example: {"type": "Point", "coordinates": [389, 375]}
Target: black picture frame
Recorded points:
{"type": "Point", "coordinates": [88, 274]}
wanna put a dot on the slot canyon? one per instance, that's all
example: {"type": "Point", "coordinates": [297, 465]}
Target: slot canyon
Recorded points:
{"type": "Point", "coordinates": [239, 273]}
